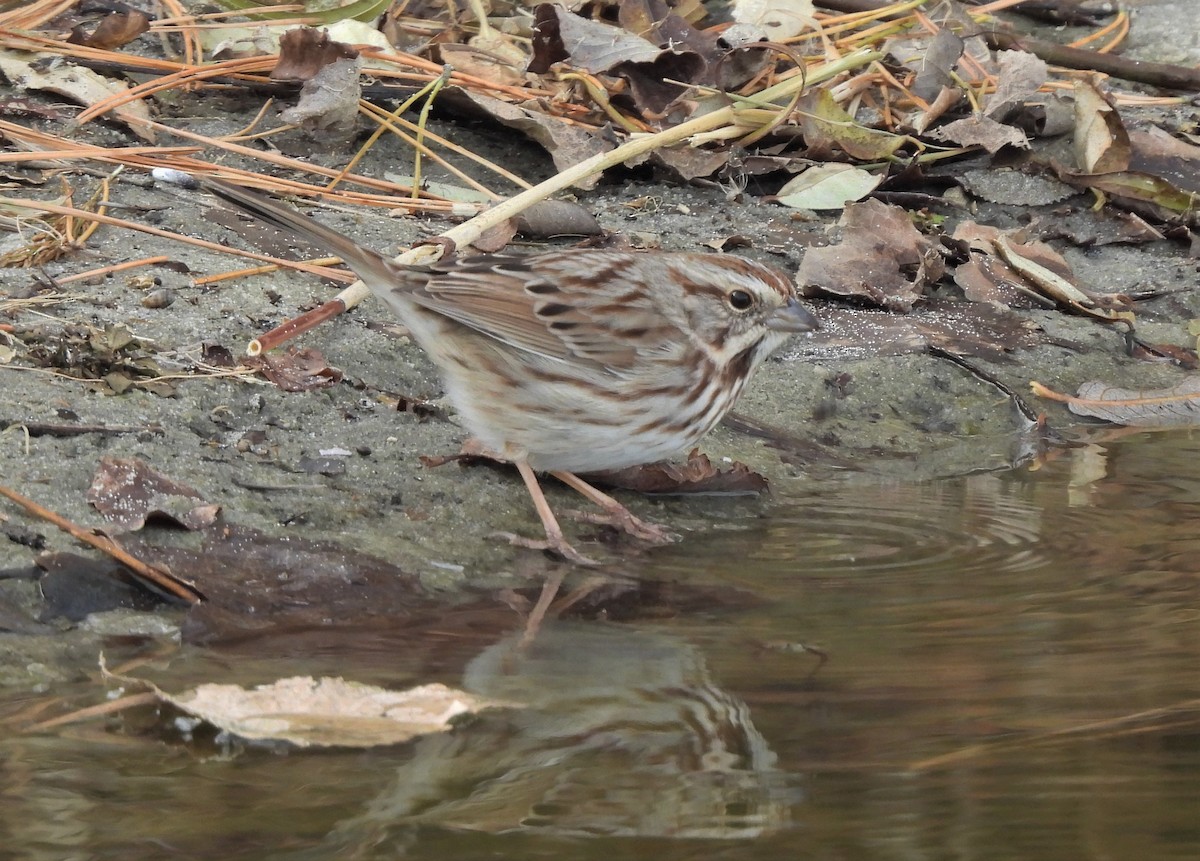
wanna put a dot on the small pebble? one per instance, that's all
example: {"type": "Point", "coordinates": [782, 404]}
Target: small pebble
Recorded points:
{"type": "Point", "coordinates": [160, 298]}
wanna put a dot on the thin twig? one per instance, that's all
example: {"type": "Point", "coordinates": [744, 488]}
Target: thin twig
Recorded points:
{"type": "Point", "coordinates": [164, 580]}
{"type": "Point", "coordinates": [116, 267]}
{"type": "Point", "coordinates": [99, 710]}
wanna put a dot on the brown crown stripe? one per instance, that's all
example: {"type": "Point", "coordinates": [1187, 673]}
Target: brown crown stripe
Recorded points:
{"type": "Point", "coordinates": [692, 286]}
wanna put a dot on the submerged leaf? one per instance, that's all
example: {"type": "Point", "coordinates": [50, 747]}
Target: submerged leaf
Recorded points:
{"type": "Point", "coordinates": [328, 712]}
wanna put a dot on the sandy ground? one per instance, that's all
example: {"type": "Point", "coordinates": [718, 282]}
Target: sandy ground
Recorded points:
{"type": "Point", "coordinates": [911, 416]}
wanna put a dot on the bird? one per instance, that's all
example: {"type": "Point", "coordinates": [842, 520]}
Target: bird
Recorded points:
{"type": "Point", "coordinates": [575, 360]}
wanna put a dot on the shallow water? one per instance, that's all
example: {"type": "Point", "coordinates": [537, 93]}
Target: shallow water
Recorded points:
{"type": "Point", "coordinates": [1010, 672]}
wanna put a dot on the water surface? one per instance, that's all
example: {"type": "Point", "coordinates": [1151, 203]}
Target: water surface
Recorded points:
{"type": "Point", "coordinates": [998, 666]}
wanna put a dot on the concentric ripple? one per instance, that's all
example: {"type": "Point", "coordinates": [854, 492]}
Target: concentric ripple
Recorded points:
{"type": "Point", "coordinates": [977, 524]}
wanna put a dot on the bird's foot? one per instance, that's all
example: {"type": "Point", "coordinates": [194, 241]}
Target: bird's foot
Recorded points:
{"type": "Point", "coordinates": [554, 544]}
{"type": "Point", "coordinates": [621, 518]}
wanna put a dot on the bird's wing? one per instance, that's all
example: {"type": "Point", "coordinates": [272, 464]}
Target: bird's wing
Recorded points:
{"type": "Point", "coordinates": [574, 306]}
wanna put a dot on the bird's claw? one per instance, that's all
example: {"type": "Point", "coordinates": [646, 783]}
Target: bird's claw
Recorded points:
{"type": "Point", "coordinates": [558, 546]}
{"type": "Point", "coordinates": [629, 523]}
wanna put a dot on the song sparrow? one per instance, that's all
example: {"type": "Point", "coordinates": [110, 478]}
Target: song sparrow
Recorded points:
{"type": "Point", "coordinates": [578, 360]}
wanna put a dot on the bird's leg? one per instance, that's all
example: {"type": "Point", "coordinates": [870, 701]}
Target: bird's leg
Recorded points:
{"type": "Point", "coordinates": [547, 606]}
{"type": "Point", "coordinates": [533, 622]}
{"type": "Point", "coordinates": [615, 514]}
{"type": "Point", "coordinates": [554, 540]}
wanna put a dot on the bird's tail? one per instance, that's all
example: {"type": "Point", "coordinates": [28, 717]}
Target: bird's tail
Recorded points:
{"type": "Point", "coordinates": [373, 268]}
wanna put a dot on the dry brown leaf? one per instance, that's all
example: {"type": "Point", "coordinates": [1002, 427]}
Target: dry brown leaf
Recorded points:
{"type": "Point", "coordinates": [329, 99]}
{"type": "Point", "coordinates": [1021, 75]}
{"type": "Point", "coordinates": [81, 85]}
{"type": "Point", "coordinates": [304, 51]}
{"type": "Point", "coordinates": [1177, 406]}
{"type": "Point", "coordinates": [1050, 281]}
{"type": "Point", "coordinates": [297, 370]}
{"type": "Point", "coordinates": [128, 491]}
{"type": "Point", "coordinates": [496, 237]}
{"type": "Point", "coordinates": [780, 20]}
{"type": "Point", "coordinates": [113, 31]}
{"type": "Point", "coordinates": [696, 475]}
{"type": "Point", "coordinates": [1101, 142]}
{"type": "Point", "coordinates": [478, 63]}
{"type": "Point", "coordinates": [881, 258]}
{"type": "Point", "coordinates": [932, 59]}
{"type": "Point", "coordinates": [594, 46]}
{"type": "Point", "coordinates": [689, 162]}
{"type": "Point", "coordinates": [658, 54]}
{"type": "Point", "coordinates": [986, 278]}
{"type": "Point", "coordinates": [978, 130]}
{"type": "Point", "coordinates": [567, 144]}
{"type": "Point", "coordinates": [1003, 266]}
{"type": "Point", "coordinates": [551, 218]}
{"type": "Point", "coordinates": [1156, 153]}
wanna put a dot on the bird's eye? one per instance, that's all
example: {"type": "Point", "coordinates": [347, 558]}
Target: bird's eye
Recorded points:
{"type": "Point", "coordinates": [740, 300]}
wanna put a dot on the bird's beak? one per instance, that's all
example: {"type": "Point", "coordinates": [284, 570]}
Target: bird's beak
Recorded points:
{"type": "Point", "coordinates": [793, 317]}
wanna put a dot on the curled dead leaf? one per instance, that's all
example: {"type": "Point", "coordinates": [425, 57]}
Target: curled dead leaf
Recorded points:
{"type": "Point", "coordinates": [113, 31]}
{"type": "Point", "coordinates": [1101, 142]}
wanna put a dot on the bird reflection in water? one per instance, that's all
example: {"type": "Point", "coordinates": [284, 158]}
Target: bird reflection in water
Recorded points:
{"type": "Point", "coordinates": [619, 732]}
